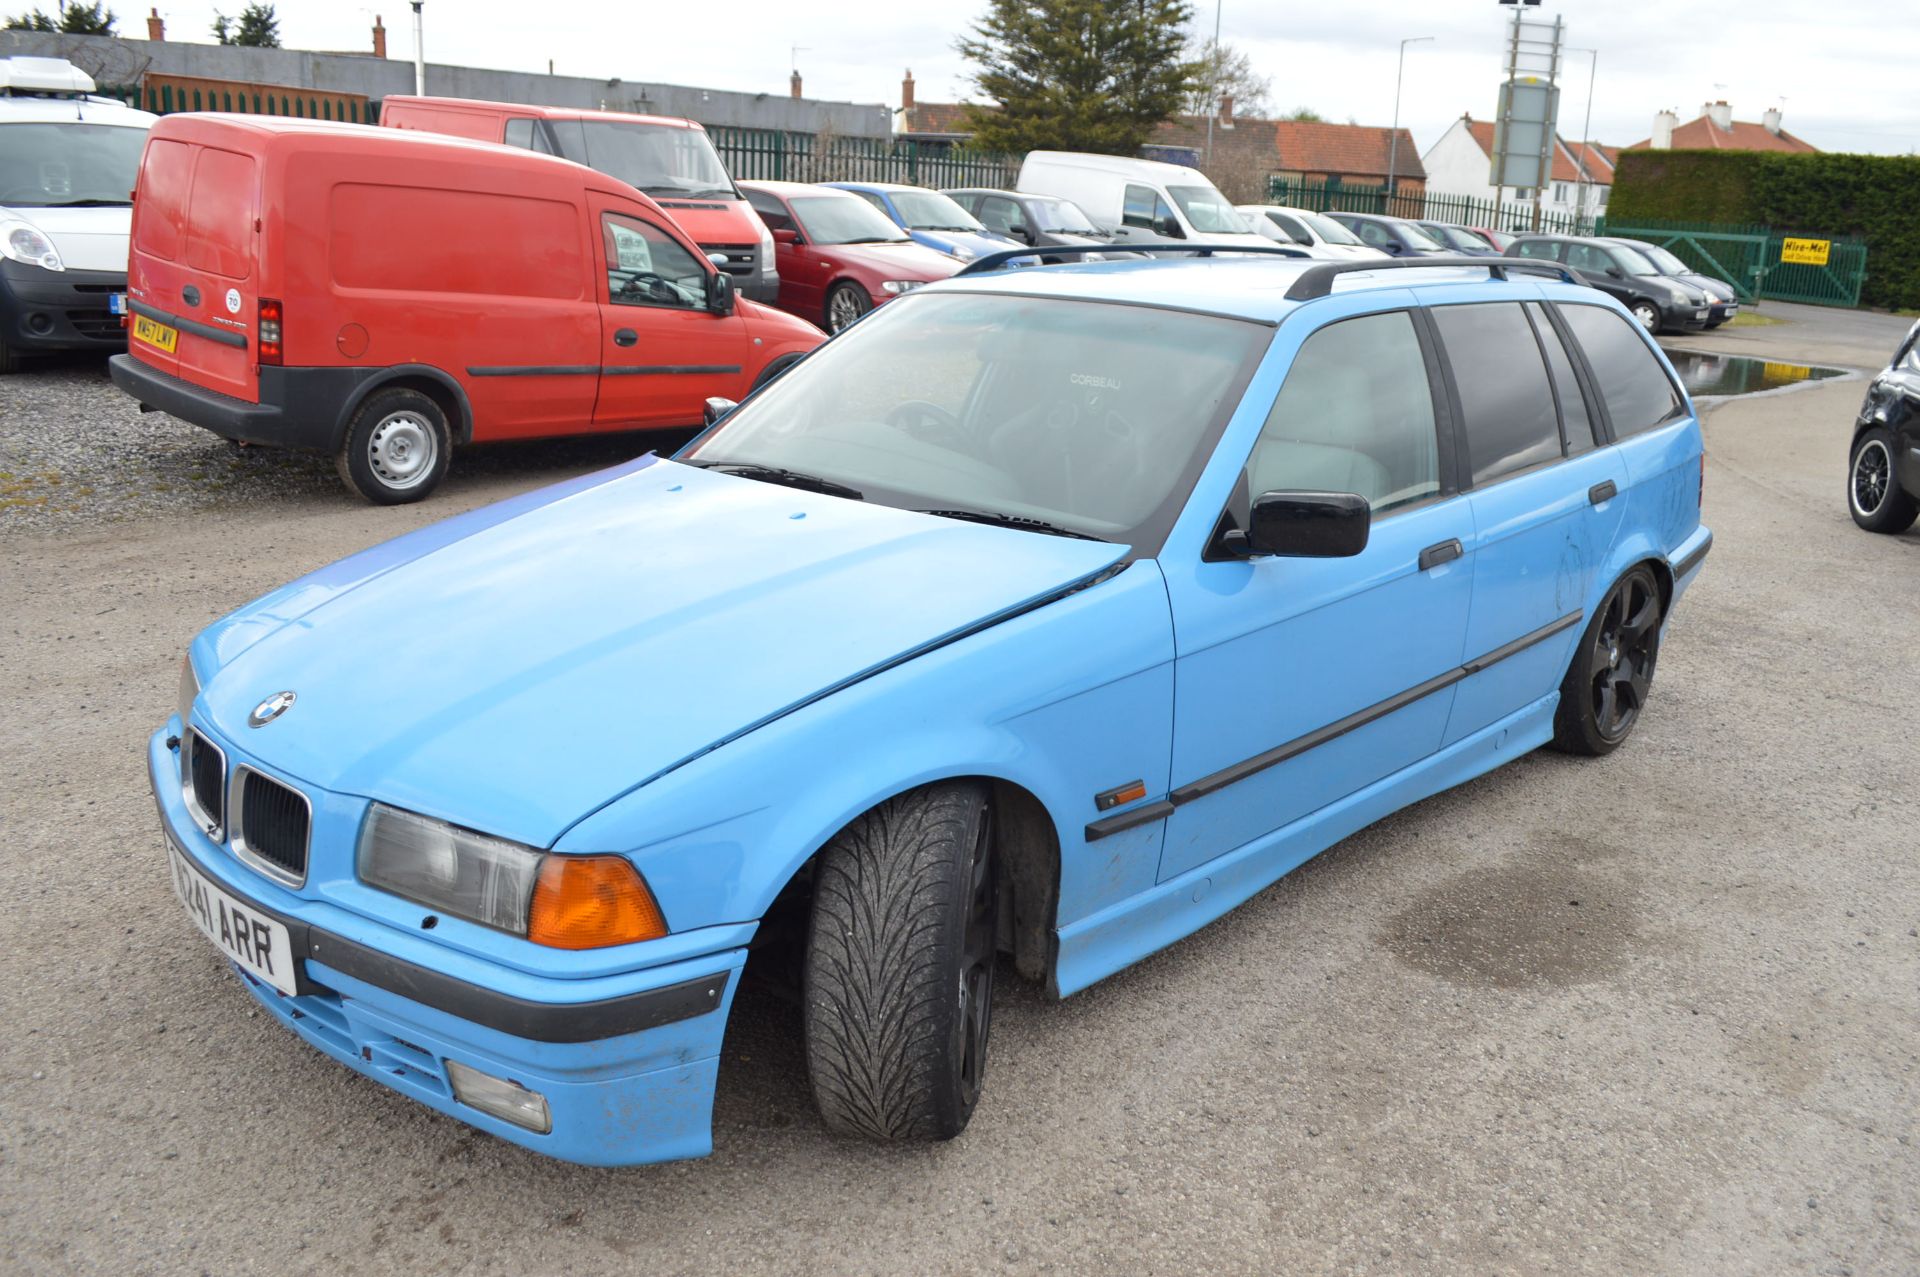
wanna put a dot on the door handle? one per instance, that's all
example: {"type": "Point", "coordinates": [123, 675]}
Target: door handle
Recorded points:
{"type": "Point", "coordinates": [1446, 552]}
{"type": "Point", "coordinates": [625, 337]}
{"type": "Point", "coordinates": [1602, 492]}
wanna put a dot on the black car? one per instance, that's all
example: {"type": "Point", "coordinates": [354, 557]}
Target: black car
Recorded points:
{"type": "Point", "coordinates": [1883, 481]}
{"type": "Point", "coordinates": [1395, 236]}
{"type": "Point", "coordinates": [1659, 302]}
{"type": "Point", "coordinates": [1722, 303]}
{"type": "Point", "coordinates": [1044, 221]}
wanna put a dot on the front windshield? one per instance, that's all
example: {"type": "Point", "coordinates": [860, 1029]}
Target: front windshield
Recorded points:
{"type": "Point", "coordinates": [1454, 237]}
{"type": "Point", "coordinates": [1633, 261]}
{"type": "Point", "coordinates": [1091, 417]}
{"type": "Point", "coordinates": [844, 219]}
{"type": "Point", "coordinates": [1063, 216]}
{"type": "Point", "coordinates": [1328, 229]}
{"type": "Point", "coordinates": [68, 165]}
{"type": "Point", "coordinates": [659, 159]}
{"type": "Point", "coordinates": [1667, 262]}
{"type": "Point", "coordinates": [932, 211]}
{"type": "Point", "coordinates": [1207, 210]}
{"type": "Point", "coordinates": [1420, 238]}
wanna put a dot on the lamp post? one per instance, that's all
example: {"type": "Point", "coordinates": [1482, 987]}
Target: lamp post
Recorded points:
{"type": "Point", "coordinates": [1213, 81]}
{"type": "Point", "coordinates": [1393, 146]}
{"type": "Point", "coordinates": [419, 54]}
{"type": "Point", "coordinates": [1586, 134]}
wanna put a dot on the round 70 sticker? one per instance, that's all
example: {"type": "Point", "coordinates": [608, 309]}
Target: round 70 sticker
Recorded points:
{"type": "Point", "coordinates": [233, 301]}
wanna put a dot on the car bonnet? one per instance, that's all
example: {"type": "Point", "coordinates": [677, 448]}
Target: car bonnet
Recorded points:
{"type": "Point", "coordinates": [516, 679]}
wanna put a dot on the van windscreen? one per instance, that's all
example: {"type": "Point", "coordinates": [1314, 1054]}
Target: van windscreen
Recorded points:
{"type": "Point", "coordinates": [654, 158]}
{"type": "Point", "coordinates": [1207, 210]}
{"type": "Point", "coordinates": [69, 165]}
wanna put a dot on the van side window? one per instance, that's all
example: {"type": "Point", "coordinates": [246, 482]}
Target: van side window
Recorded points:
{"type": "Point", "coordinates": [1576, 423]}
{"type": "Point", "coordinates": [771, 211]}
{"type": "Point", "coordinates": [520, 134]}
{"type": "Point", "coordinates": [1354, 415]}
{"type": "Point", "coordinates": [1505, 403]}
{"type": "Point", "coordinates": [1145, 209]}
{"type": "Point", "coordinates": [1638, 392]}
{"type": "Point", "coordinates": [647, 267]}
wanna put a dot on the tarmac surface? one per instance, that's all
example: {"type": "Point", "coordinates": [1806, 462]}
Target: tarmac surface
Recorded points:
{"type": "Point", "coordinates": [1658, 1012]}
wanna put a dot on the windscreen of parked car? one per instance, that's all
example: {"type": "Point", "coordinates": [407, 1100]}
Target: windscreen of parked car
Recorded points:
{"type": "Point", "coordinates": [658, 159]}
{"type": "Point", "coordinates": [1454, 237]}
{"type": "Point", "coordinates": [1061, 216]}
{"type": "Point", "coordinates": [68, 165]}
{"type": "Point", "coordinates": [1084, 418]}
{"type": "Point", "coordinates": [932, 211]}
{"type": "Point", "coordinates": [1667, 262]}
{"type": "Point", "coordinates": [1207, 210]}
{"type": "Point", "coordinates": [1419, 237]}
{"type": "Point", "coordinates": [844, 219]}
{"type": "Point", "coordinates": [1633, 261]}
{"type": "Point", "coordinates": [1330, 230]}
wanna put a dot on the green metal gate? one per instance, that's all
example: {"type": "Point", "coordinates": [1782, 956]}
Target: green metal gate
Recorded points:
{"type": "Point", "coordinates": [1748, 258]}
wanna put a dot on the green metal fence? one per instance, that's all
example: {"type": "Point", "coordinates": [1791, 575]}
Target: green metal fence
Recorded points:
{"type": "Point", "coordinates": [1748, 258]}
{"type": "Point", "coordinates": [780, 156]}
{"type": "Point", "coordinates": [1461, 210]}
{"type": "Point", "coordinates": [309, 104]}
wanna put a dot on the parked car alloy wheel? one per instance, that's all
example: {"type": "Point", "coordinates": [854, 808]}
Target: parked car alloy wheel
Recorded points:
{"type": "Point", "coordinates": [846, 303]}
{"type": "Point", "coordinates": [1612, 672]}
{"type": "Point", "coordinates": [1874, 496]}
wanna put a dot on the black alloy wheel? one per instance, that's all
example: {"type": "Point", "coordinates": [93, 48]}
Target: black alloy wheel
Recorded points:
{"type": "Point", "coordinates": [1610, 678]}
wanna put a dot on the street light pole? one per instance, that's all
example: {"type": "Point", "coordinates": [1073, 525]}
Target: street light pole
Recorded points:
{"type": "Point", "coordinates": [1213, 81]}
{"type": "Point", "coordinates": [1586, 134]}
{"type": "Point", "coordinates": [419, 54]}
{"type": "Point", "coordinates": [1393, 144]}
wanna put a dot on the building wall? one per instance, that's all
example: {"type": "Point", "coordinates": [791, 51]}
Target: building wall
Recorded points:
{"type": "Point", "coordinates": [1457, 166]}
{"type": "Point", "coordinates": [112, 60]}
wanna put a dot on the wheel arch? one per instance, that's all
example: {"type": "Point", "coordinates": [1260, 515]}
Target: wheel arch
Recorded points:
{"type": "Point", "coordinates": [429, 381]}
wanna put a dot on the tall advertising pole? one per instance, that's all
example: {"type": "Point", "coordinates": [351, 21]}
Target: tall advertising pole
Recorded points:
{"type": "Point", "coordinates": [1524, 130]}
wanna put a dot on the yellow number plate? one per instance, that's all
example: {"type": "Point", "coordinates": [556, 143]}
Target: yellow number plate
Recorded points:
{"type": "Point", "coordinates": [153, 334]}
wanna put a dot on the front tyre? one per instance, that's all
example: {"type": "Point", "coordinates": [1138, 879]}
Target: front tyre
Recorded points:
{"type": "Point", "coordinates": [1647, 315]}
{"type": "Point", "coordinates": [846, 303]}
{"type": "Point", "coordinates": [397, 447]}
{"type": "Point", "coordinates": [1874, 496]}
{"type": "Point", "coordinates": [899, 966]}
{"type": "Point", "coordinates": [1607, 684]}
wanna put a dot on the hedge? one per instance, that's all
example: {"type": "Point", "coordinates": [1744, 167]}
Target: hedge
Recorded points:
{"type": "Point", "coordinates": [1873, 197]}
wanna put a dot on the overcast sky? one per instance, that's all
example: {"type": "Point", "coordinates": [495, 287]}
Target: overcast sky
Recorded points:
{"type": "Point", "coordinates": [1846, 73]}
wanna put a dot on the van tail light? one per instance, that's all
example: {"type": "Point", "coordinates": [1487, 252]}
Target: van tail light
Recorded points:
{"type": "Point", "coordinates": [271, 351]}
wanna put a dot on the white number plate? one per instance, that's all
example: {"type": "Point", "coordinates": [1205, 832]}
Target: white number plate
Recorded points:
{"type": "Point", "coordinates": [254, 941]}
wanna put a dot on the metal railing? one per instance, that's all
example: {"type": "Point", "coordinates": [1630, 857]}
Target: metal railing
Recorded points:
{"type": "Point", "coordinates": [1748, 258]}
{"type": "Point", "coordinates": [1513, 216]}
{"type": "Point", "coordinates": [777, 155]}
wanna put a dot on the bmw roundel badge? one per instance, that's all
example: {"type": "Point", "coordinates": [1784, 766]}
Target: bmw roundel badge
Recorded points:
{"type": "Point", "coordinates": [271, 708]}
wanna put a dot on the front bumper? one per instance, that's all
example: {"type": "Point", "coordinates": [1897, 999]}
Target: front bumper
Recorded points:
{"type": "Point", "coordinates": [1688, 316]}
{"type": "Point", "coordinates": [59, 310]}
{"type": "Point", "coordinates": [628, 1074]}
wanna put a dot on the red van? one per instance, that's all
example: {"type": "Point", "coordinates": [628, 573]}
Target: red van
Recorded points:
{"type": "Point", "coordinates": [382, 296]}
{"type": "Point", "coordinates": [670, 159]}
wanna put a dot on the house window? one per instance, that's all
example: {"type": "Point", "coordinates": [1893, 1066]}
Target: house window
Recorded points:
{"type": "Point", "coordinates": [1603, 195]}
{"type": "Point", "coordinates": [1559, 192]}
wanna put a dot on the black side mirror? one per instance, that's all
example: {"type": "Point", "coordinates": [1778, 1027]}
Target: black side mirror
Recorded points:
{"type": "Point", "coordinates": [1304, 525]}
{"type": "Point", "coordinates": [1394, 247]}
{"type": "Point", "coordinates": [1170, 228]}
{"type": "Point", "coordinates": [720, 293]}
{"type": "Point", "coordinates": [716, 408]}
{"type": "Point", "coordinates": [1019, 232]}
{"type": "Point", "coordinates": [1614, 272]}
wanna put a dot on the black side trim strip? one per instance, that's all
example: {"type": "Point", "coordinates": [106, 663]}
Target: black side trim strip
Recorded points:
{"type": "Point", "coordinates": [536, 370]}
{"type": "Point", "coordinates": [224, 336]}
{"type": "Point", "coordinates": [1692, 561]}
{"type": "Point", "coordinates": [650, 370]}
{"type": "Point", "coordinates": [1219, 780]}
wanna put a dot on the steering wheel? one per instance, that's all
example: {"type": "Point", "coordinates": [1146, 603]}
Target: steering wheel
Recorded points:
{"type": "Point", "coordinates": [929, 423]}
{"type": "Point", "coordinates": [653, 285]}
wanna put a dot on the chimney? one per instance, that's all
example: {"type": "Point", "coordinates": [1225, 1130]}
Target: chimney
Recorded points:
{"type": "Point", "coordinates": [793, 84]}
{"type": "Point", "coordinates": [1721, 115]}
{"type": "Point", "coordinates": [156, 27]}
{"type": "Point", "coordinates": [1663, 126]}
{"type": "Point", "coordinates": [1771, 120]}
{"type": "Point", "coordinates": [906, 91]}
{"type": "Point", "coordinates": [379, 38]}
{"type": "Point", "coordinates": [1226, 110]}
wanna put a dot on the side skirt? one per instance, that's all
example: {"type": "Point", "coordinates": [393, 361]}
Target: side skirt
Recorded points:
{"type": "Point", "coordinates": [1119, 936]}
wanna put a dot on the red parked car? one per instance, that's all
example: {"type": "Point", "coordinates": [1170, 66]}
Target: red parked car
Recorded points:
{"type": "Point", "coordinates": [839, 257]}
{"type": "Point", "coordinates": [382, 296]}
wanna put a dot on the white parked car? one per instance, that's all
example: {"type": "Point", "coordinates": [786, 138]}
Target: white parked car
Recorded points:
{"type": "Point", "coordinates": [1138, 201]}
{"type": "Point", "coordinates": [67, 166]}
{"type": "Point", "coordinates": [1298, 228]}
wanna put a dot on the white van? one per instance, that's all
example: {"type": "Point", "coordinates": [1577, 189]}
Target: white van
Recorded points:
{"type": "Point", "coordinates": [1138, 201]}
{"type": "Point", "coordinates": [67, 165]}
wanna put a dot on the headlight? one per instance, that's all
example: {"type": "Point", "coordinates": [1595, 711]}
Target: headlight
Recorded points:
{"type": "Point", "coordinates": [189, 688]}
{"type": "Point", "coordinates": [894, 287]}
{"type": "Point", "coordinates": [766, 247]}
{"type": "Point", "coordinates": [25, 242]}
{"type": "Point", "coordinates": [564, 901]}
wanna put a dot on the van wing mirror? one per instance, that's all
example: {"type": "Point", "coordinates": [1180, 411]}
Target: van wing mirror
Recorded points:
{"type": "Point", "coordinates": [1170, 227]}
{"type": "Point", "coordinates": [1304, 525]}
{"type": "Point", "coordinates": [715, 408]}
{"type": "Point", "coordinates": [720, 293]}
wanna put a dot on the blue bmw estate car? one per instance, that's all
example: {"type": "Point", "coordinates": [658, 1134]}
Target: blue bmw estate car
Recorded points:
{"type": "Point", "coordinates": [1032, 623]}
{"type": "Point", "coordinates": [931, 218]}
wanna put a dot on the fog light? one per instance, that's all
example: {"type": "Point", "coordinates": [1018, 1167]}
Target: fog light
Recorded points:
{"type": "Point", "coordinates": [508, 1101]}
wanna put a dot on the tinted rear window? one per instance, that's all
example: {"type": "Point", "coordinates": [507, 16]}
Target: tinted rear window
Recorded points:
{"type": "Point", "coordinates": [1505, 401]}
{"type": "Point", "coordinates": [484, 243]}
{"type": "Point", "coordinates": [1638, 393]}
{"type": "Point", "coordinates": [1576, 421]}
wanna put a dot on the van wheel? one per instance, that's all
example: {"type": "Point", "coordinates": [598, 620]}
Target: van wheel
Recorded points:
{"type": "Point", "coordinates": [1648, 316]}
{"type": "Point", "coordinates": [397, 448]}
{"type": "Point", "coordinates": [899, 966]}
{"type": "Point", "coordinates": [1612, 671]}
{"type": "Point", "coordinates": [846, 303]}
{"type": "Point", "coordinates": [1874, 495]}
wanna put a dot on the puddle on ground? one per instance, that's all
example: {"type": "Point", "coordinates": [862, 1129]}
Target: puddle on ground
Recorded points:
{"type": "Point", "coordinates": [1705, 374]}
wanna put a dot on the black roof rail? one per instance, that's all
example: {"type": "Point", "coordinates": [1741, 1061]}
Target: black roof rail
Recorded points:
{"type": "Point", "coordinates": [994, 261]}
{"type": "Point", "coordinates": [1317, 280]}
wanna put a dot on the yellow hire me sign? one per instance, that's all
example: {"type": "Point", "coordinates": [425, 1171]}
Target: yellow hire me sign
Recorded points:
{"type": "Point", "coordinates": [1805, 252]}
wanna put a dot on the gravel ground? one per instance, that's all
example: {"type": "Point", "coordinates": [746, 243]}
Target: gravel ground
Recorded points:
{"type": "Point", "coordinates": [1654, 1013]}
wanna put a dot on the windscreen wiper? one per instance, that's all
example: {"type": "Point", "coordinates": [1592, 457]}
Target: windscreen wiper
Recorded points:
{"type": "Point", "coordinates": [782, 476]}
{"type": "Point", "coordinates": [90, 203]}
{"type": "Point", "coordinates": [1018, 521]}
